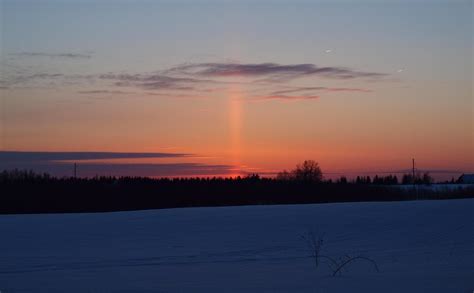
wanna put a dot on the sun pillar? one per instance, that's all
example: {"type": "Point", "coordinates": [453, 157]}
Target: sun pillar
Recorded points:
{"type": "Point", "coordinates": [235, 124]}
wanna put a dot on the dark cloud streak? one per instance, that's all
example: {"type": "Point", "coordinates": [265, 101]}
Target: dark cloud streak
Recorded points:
{"type": "Point", "coordinates": [60, 164]}
{"type": "Point", "coordinates": [311, 89]}
{"type": "Point", "coordinates": [270, 70]}
{"type": "Point", "coordinates": [15, 156]}
{"type": "Point", "coordinates": [87, 169]}
{"type": "Point", "coordinates": [285, 97]}
{"type": "Point", "coordinates": [151, 81]}
{"type": "Point", "coordinates": [197, 79]}
{"type": "Point", "coordinates": [53, 55]}
{"type": "Point", "coordinates": [98, 92]}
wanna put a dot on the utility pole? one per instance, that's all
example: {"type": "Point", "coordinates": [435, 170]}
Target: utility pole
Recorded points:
{"type": "Point", "coordinates": [413, 160]}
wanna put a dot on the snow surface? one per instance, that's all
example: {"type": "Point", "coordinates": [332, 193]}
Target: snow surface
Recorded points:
{"type": "Point", "coordinates": [420, 246]}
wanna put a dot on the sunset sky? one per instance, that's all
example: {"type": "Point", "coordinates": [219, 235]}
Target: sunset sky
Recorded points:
{"type": "Point", "coordinates": [202, 88]}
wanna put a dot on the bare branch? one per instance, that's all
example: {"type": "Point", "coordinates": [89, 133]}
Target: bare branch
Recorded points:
{"type": "Point", "coordinates": [351, 259]}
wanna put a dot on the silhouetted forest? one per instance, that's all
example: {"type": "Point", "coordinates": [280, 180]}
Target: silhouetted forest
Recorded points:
{"type": "Point", "coordinates": [28, 192]}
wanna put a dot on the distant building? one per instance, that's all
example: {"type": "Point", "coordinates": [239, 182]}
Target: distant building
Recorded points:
{"type": "Point", "coordinates": [466, 179]}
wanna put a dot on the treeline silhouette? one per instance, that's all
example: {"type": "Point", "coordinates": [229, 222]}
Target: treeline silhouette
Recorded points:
{"type": "Point", "coordinates": [310, 171]}
{"type": "Point", "coordinates": [28, 192]}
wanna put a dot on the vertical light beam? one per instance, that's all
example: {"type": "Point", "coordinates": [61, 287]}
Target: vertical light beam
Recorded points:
{"type": "Point", "coordinates": [235, 124]}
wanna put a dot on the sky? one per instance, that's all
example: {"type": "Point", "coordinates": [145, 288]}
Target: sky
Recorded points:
{"type": "Point", "coordinates": [203, 88]}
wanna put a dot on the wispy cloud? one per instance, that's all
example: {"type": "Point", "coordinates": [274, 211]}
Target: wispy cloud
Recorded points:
{"type": "Point", "coordinates": [53, 55]}
{"type": "Point", "coordinates": [17, 156]}
{"type": "Point", "coordinates": [270, 70]}
{"type": "Point", "coordinates": [324, 89]}
{"type": "Point", "coordinates": [24, 79]}
{"type": "Point", "coordinates": [263, 81]}
{"type": "Point", "coordinates": [99, 92]}
{"type": "Point", "coordinates": [152, 81]}
{"type": "Point", "coordinates": [284, 97]}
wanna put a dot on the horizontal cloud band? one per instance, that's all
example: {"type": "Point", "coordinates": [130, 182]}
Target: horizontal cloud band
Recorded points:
{"type": "Point", "coordinates": [270, 69]}
{"type": "Point", "coordinates": [14, 156]}
{"type": "Point", "coordinates": [199, 80]}
{"type": "Point", "coordinates": [55, 163]}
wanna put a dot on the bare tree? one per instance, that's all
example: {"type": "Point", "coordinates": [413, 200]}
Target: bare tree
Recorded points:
{"type": "Point", "coordinates": [315, 245]}
{"type": "Point", "coordinates": [309, 171]}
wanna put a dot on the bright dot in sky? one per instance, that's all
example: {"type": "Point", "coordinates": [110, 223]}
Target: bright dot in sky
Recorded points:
{"type": "Point", "coordinates": [400, 70]}
{"type": "Point", "coordinates": [328, 51]}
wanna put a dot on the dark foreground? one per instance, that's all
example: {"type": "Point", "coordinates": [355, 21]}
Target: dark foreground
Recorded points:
{"type": "Point", "coordinates": [419, 246]}
{"type": "Point", "coordinates": [43, 194]}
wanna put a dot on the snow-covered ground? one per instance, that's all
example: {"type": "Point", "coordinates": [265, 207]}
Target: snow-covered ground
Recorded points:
{"type": "Point", "coordinates": [422, 246]}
